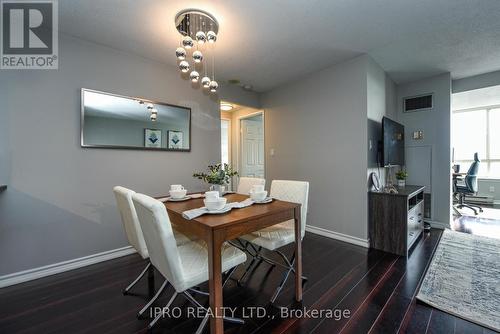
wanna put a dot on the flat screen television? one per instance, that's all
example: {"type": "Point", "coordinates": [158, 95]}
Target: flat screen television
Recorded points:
{"type": "Point", "coordinates": [393, 143]}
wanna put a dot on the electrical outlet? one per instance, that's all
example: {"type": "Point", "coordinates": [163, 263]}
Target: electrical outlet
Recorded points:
{"type": "Point", "coordinates": [492, 189]}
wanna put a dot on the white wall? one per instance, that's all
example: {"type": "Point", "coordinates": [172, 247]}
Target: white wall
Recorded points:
{"type": "Point", "coordinates": [318, 129]}
{"type": "Point", "coordinates": [59, 204]}
{"type": "Point", "coordinates": [436, 125]}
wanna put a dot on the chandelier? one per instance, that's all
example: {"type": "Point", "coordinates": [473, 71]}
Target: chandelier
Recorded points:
{"type": "Point", "coordinates": [198, 31]}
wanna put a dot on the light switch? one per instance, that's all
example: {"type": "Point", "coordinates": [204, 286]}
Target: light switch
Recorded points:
{"type": "Point", "coordinates": [271, 152]}
{"type": "Point", "coordinates": [418, 135]}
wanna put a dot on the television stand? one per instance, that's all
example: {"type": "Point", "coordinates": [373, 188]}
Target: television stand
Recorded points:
{"type": "Point", "coordinates": [396, 220]}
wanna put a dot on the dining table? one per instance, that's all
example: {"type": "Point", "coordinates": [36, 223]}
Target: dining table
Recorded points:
{"type": "Point", "coordinates": [216, 229]}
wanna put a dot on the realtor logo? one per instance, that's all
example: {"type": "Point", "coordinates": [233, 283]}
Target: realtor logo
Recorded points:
{"type": "Point", "coordinates": [29, 34]}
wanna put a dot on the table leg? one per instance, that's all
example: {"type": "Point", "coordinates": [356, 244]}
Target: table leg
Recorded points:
{"type": "Point", "coordinates": [215, 282]}
{"type": "Point", "coordinates": [298, 255]}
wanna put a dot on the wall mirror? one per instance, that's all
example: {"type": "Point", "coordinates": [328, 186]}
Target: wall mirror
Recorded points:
{"type": "Point", "coordinates": [115, 121]}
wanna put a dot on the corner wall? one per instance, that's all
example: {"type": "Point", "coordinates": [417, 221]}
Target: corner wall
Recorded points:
{"type": "Point", "coordinates": [436, 145]}
{"type": "Point", "coordinates": [381, 97]}
{"type": "Point", "coordinates": [318, 129]}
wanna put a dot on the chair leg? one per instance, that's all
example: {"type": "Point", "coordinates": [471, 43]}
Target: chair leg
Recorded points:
{"type": "Point", "coordinates": [203, 323]}
{"type": "Point", "coordinates": [207, 314]}
{"type": "Point", "coordinates": [155, 297]}
{"type": "Point", "coordinates": [469, 207]}
{"type": "Point", "coordinates": [143, 272]}
{"type": "Point", "coordinates": [247, 270]}
{"type": "Point", "coordinates": [282, 284]}
{"type": "Point", "coordinates": [155, 320]}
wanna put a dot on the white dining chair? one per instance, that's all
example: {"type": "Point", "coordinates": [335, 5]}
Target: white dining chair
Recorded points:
{"type": "Point", "coordinates": [245, 184]}
{"type": "Point", "coordinates": [184, 266]}
{"type": "Point", "coordinates": [136, 239]}
{"type": "Point", "coordinates": [274, 237]}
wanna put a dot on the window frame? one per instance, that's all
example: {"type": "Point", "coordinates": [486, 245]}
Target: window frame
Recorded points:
{"type": "Point", "coordinates": [487, 160]}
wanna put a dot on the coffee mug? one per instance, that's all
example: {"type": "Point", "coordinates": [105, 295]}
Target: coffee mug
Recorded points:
{"type": "Point", "coordinates": [212, 195]}
{"type": "Point", "coordinates": [257, 188]}
{"type": "Point", "coordinates": [176, 187]}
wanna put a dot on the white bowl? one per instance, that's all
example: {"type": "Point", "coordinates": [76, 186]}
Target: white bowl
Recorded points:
{"type": "Point", "coordinates": [218, 204]}
{"type": "Point", "coordinates": [258, 195]}
{"type": "Point", "coordinates": [178, 193]}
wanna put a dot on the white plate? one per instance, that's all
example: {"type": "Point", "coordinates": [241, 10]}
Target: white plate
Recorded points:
{"type": "Point", "coordinates": [170, 199]}
{"type": "Point", "coordinates": [264, 201]}
{"type": "Point", "coordinates": [217, 212]}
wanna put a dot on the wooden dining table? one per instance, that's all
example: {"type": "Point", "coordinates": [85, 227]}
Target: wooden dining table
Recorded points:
{"type": "Point", "coordinates": [215, 229]}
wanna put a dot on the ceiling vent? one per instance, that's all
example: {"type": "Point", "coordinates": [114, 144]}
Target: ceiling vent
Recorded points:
{"type": "Point", "coordinates": [418, 103]}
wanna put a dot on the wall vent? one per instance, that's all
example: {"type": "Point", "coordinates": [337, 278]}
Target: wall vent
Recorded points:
{"type": "Point", "coordinates": [418, 103]}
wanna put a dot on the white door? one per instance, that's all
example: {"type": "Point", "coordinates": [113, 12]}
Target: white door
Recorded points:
{"type": "Point", "coordinates": [252, 148]}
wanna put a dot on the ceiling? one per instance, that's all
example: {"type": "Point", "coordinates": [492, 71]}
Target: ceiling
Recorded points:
{"type": "Point", "coordinates": [268, 43]}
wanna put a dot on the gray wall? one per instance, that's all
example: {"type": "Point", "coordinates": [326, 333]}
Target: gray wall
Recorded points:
{"type": "Point", "coordinates": [484, 188]}
{"type": "Point", "coordinates": [318, 129]}
{"type": "Point", "coordinates": [381, 97]}
{"type": "Point", "coordinates": [59, 204]}
{"type": "Point", "coordinates": [238, 95]}
{"type": "Point", "coordinates": [436, 125]}
{"type": "Point", "coordinates": [475, 82]}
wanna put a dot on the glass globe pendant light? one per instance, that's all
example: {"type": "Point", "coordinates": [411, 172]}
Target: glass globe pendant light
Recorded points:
{"type": "Point", "coordinates": [187, 42]}
{"type": "Point", "coordinates": [197, 56]}
{"type": "Point", "coordinates": [180, 53]}
{"type": "Point", "coordinates": [184, 66]}
{"type": "Point", "coordinates": [205, 82]}
{"type": "Point", "coordinates": [201, 37]}
{"type": "Point", "coordinates": [197, 28]}
{"type": "Point", "coordinates": [213, 86]}
{"type": "Point", "coordinates": [211, 37]}
{"type": "Point", "coordinates": [194, 76]}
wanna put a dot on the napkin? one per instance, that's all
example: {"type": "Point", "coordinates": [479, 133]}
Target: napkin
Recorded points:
{"type": "Point", "coordinates": [195, 213]}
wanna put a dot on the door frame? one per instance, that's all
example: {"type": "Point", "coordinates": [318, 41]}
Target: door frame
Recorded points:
{"type": "Point", "coordinates": [238, 138]}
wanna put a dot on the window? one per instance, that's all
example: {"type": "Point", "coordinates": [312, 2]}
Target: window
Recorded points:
{"type": "Point", "coordinates": [477, 130]}
{"type": "Point", "coordinates": [225, 140]}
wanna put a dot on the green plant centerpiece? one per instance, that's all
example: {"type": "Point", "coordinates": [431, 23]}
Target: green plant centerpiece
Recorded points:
{"type": "Point", "coordinates": [218, 176]}
{"type": "Point", "coordinates": [401, 176]}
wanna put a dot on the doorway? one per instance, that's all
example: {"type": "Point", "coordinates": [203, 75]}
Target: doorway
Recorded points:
{"type": "Point", "coordinates": [475, 124]}
{"type": "Point", "coordinates": [252, 146]}
{"type": "Point", "coordinates": [242, 139]}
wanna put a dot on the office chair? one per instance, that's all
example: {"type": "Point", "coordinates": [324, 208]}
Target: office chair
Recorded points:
{"type": "Point", "coordinates": [469, 187]}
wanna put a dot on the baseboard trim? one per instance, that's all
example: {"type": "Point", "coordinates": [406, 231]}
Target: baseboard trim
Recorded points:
{"type": "Point", "coordinates": [338, 236]}
{"type": "Point", "coordinates": [60, 267]}
{"type": "Point", "coordinates": [438, 225]}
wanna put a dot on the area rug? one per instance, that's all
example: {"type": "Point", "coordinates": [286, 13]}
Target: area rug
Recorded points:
{"type": "Point", "coordinates": [463, 278]}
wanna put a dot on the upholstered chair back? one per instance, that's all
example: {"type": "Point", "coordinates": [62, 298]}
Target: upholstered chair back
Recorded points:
{"type": "Point", "coordinates": [129, 219]}
{"type": "Point", "coordinates": [159, 236]}
{"type": "Point", "coordinates": [246, 183]}
{"type": "Point", "coordinates": [471, 177]}
{"type": "Point", "coordinates": [295, 192]}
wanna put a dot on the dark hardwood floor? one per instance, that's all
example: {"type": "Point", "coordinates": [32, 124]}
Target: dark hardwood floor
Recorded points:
{"type": "Point", "coordinates": [376, 287]}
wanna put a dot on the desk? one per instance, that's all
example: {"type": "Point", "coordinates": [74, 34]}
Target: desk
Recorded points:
{"type": "Point", "coordinates": [216, 229]}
